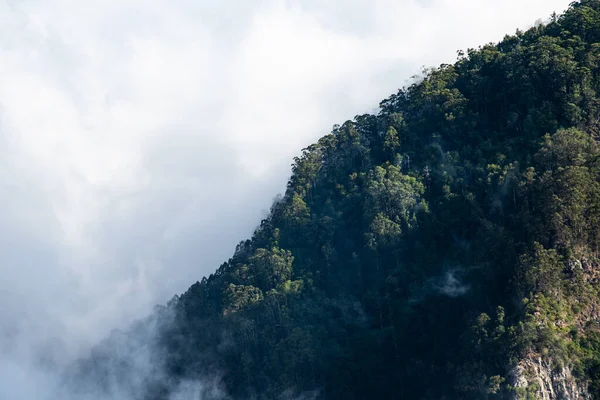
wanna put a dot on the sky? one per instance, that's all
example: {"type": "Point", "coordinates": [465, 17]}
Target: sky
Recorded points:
{"type": "Point", "coordinates": [141, 140]}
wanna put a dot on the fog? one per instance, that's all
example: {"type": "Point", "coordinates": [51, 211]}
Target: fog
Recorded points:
{"type": "Point", "coordinates": [141, 140]}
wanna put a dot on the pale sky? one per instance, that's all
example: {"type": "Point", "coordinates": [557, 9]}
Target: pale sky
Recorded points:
{"type": "Point", "coordinates": [142, 139]}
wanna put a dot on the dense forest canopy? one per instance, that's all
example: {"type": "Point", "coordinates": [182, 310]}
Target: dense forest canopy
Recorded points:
{"type": "Point", "coordinates": [426, 252]}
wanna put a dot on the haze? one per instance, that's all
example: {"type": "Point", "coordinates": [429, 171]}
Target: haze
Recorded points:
{"type": "Point", "coordinates": [141, 140]}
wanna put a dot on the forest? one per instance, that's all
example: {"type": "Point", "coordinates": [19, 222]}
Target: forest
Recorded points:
{"type": "Point", "coordinates": [445, 248]}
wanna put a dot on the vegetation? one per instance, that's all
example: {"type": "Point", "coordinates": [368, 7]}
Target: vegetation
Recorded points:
{"type": "Point", "coordinates": [423, 252]}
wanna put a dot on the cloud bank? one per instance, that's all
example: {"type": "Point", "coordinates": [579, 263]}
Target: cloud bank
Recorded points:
{"type": "Point", "coordinates": [141, 140]}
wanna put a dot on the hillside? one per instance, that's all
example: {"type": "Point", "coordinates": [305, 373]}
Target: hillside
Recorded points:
{"type": "Point", "coordinates": [445, 248]}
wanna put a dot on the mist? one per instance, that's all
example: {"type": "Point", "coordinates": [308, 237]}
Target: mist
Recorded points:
{"type": "Point", "coordinates": [142, 140]}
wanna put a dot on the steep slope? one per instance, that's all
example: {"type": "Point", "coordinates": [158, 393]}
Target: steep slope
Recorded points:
{"type": "Point", "coordinates": [444, 248]}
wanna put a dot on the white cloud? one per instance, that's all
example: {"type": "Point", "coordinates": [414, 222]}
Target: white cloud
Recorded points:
{"type": "Point", "coordinates": [140, 140]}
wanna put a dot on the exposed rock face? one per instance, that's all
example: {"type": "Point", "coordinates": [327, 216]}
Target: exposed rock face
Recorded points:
{"type": "Point", "coordinates": [549, 383]}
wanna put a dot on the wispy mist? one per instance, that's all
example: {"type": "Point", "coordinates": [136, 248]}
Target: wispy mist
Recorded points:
{"type": "Point", "coordinates": [449, 285]}
{"type": "Point", "coordinates": [140, 140]}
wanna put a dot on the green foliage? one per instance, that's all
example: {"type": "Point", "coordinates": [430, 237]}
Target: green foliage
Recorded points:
{"type": "Point", "coordinates": [541, 271]}
{"type": "Point", "coordinates": [238, 297]}
{"type": "Point", "coordinates": [271, 267]}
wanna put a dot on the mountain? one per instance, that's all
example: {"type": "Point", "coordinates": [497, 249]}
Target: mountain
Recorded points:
{"type": "Point", "coordinates": [445, 248]}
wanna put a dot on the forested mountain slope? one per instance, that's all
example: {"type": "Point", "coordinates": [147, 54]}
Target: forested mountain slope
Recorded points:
{"type": "Point", "coordinates": [446, 248]}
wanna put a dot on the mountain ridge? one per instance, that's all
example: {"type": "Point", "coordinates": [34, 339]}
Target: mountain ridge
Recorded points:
{"type": "Point", "coordinates": [451, 238]}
